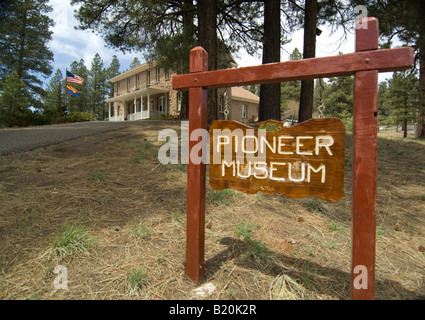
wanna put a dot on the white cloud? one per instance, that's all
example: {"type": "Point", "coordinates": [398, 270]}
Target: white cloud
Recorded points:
{"type": "Point", "coordinates": [70, 44]}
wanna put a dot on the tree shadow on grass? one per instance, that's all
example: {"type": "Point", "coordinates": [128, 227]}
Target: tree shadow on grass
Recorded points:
{"type": "Point", "coordinates": [315, 277]}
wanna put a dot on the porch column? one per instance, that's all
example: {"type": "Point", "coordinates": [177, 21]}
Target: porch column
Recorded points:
{"type": "Point", "coordinates": [141, 104]}
{"type": "Point", "coordinates": [135, 107]}
{"type": "Point", "coordinates": [149, 104]}
{"type": "Point", "coordinates": [109, 111]}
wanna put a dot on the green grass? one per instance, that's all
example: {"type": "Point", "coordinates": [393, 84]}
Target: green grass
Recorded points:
{"type": "Point", "coordinates": [256, 248]}
{"type": "Point", "coordinates": [174, 167]}
{"type": "Point", "coordinates": [27, 220]}
{"type": "Point", "coordinates": [178, 216]}
{"type": "Point", "coordinates": [397, 154]}
{"type": "Point", "coordinates": [336, 227]}
{"type": "Point", "coordinates": [140, 230]}
{"type": "Point", "coordinates": [136, 278]}
{"type": "Point", "coordinates": [137, 159]}
{"type": "Point", "coordinates": [221, 196]}
{"type": "Point", "coordinates": [144, 150]}
{"type": "Point", "coordinates": [99, 156]}
{"type": "Point", "coordinates": [400, 138]}
{"type": "Point", "coordinates": [317, 206]}
{"type": "Point", "coordinates": [97, 176]}
{"type": "Point", "coordinates": [169, 177]}
{"type": "Point", "coordinates": [379, 232]}
{"type": "Point", "coordinates": [73, 239]}
{"type": "Point", "coordinates": [308, 275]}
{"type": "Point", "coordinates": [245, 229]}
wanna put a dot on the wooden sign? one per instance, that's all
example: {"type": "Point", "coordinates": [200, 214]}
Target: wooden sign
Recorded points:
{"type": "Point", "coordinates": [300, 161]}
{"type": "Point", "coordinates": [308, 153]}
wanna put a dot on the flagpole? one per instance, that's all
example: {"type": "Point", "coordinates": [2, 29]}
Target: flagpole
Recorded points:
{"type": "Point", "coordinates": [60, 93]}
{"type": "Point", "coordinates": [66, 76]}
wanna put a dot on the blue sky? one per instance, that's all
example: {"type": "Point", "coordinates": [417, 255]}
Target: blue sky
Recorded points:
{"type": "Point", "coordinates": [69, 44]}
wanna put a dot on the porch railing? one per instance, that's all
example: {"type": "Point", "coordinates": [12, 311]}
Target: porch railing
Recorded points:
{"type": "Point", "coordinates": [116, 118]}
{"type": "Point", "coordinates": [138, 115]}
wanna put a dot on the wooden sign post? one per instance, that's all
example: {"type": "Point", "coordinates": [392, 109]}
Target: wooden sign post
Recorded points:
{"type": "Point", "coordinates": [307, 149]}
{"type": "Point", "coordinates": [365, 142]}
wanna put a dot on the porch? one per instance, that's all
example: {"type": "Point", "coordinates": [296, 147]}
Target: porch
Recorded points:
{"type": "Point", "coordinates": [144, 103]}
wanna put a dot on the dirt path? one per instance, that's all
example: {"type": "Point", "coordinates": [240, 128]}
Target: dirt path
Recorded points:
{"type": "Point", "coordinates": [134, 209]}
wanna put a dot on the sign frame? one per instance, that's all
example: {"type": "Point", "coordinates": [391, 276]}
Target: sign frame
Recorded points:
{"type": "Point", "coordinates": [365, 64]}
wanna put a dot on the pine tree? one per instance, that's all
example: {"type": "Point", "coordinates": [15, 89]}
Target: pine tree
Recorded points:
{"type": "Point", "coordinates": [14, 102]}
{"type": "Point", "coordinates": [135, 63]}
{"type": "Point", "coordinates": [54, 101]}
{"type": "Point", "coordinates": [24, 37]}
{"type": "Point", "coordinates": [383, 109]}
{"type": "Point", "coordinates": [403, 99]}
{"type": "Point", "coordinates": [338, 99]}
{"type": "Point", "coordinates": [403, 20]}
{"type": "Point", "coordinates": [112, 71]}
{"type": "Point", "coordinates": [97, 85]}
{"type": "Point", "coordinates": [290, 91]}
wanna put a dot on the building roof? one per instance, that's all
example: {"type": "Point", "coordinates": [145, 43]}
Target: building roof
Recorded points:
{"type": "Point", "coordinates": [133, 71]}
{"type": "Point", "coordinates": [129, 96]}
{"type": "Point", "coordinates": [241, 94]}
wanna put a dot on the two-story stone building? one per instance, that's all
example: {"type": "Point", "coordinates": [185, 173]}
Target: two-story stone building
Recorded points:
{"type": "Point", "coordinates": [145, 91]}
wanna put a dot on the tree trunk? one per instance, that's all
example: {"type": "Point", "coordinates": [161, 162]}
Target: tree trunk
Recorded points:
{"type": "Point", "coordinates": [21, 50]}
{"type": "Point", "coordinates": [420, 124]}
{"type": "Point", "coordinates": [189, 30]}
{"type": "Point", "coordinates": [269, 107]}
{"type": "Point", "coordinates": [184, 108]}
{"type": "Point", "coordinates": [307, 86]}
{"type": "Point", "coordinates": [207, 38]}
{"type": "Point", "coordinates": [405, 126]}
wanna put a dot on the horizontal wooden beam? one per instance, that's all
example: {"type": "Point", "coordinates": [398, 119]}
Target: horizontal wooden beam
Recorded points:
{"type": "Point", "coordinates": [385, 60]}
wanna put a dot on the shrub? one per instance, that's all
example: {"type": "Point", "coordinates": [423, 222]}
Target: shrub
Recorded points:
{"type": "Point", "coordinates": [79, 116]}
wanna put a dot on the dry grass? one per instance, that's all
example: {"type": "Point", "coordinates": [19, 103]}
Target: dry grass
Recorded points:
{"type": "Point", "coordinates": [257, 246]}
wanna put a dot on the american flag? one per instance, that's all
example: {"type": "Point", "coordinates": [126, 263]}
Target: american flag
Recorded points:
{"type": "Point", "coordinates": [70, 77]}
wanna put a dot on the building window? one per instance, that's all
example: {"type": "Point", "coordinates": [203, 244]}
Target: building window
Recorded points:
{"type": "Point", "coordinates": [137, 80]}
{"type": "Point", "coordinates": [128, 84]}
{"type": "Point", "coordinates": [167, 73]}
{"type": "Point", "coordinates": [148, 77]}
{"type": "Point", "coordinates": [118, 88]}
{"type": "Point", "coordinates": [244, 111]}
{"type": "Point", "coordinates": [161, 104]}
{"type": "Point", "coordinates": [220, 103]}
{"type": "Point", "coordinates": [158, 73]}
